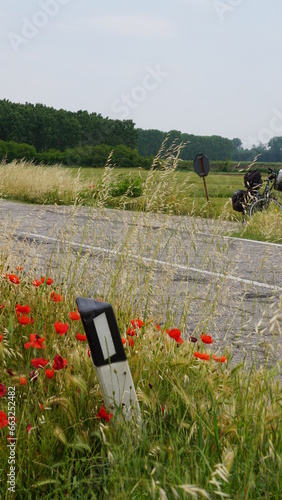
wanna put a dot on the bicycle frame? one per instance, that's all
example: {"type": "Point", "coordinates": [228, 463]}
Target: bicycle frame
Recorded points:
{"type": "Point", "coordinates": [267, 192]}
{"type": "Point", "coordinates": [254, 195]}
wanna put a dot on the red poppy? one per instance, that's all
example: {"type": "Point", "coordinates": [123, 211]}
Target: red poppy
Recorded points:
{"type": "Point", "coordinates": [219, 359]}
{"type": "Point", "coordinates": [59, 362]}
{"type": "Point", "coordinates": [14, 279]}
{"type": "Point", "coordinates": [23, 319]}
{"type": "Point", "coordinates": [81, 337]}
{"type": "Point", "coordinates": [179, 340]}
{"type": "Point", "coordinates": [202, 355]}
{"type": "Point", "coordinates": [35, 341]}
{"type": "Point", "coordinates": [3, 419]}
{"type": "Point", "coordinates": [33, 376]}
{"type": "Point", "coordinates": [130, 342]}
{"type": "Point", "coordinates": [206, 339]}
{"type": "Point", "coordinates": [49, 373]}
{"type": "Point", "coordinates": [74, 316]}
{"type": "Point", "coordinates": [37, 283]}
{"type": "Point", "coordinates": [174, 333]}
{"type": "Point", "coordinates": [2, 305]}
{"type": "Point", "coordinates": [123, 340]}
{"type": "Point", "coordinates": [193, 339]}
{"type": "Point", "coordinates": [104, 415]}
{"type": "Point", "coordinates": [48, 281]}
{"type": "Point", "coordinates": [56, 297]}
{"type": "Point", "coordinates": [2, 390]}
{"type": "Point", "coordinates": [22, 309]}
{"type": "Point", "coordinates": [61, 328]}
{"type": "Point", "coordinates": [28, 427]}
{"type": "Point", "coordinates": [137, 322]}
{"type": "Point", "coordinates": [131, 332]}
{"type": "Point", "coordinates": [39, 362]}
{"type": "Point", "coordinates": [23, 380]}
{"type": "Point", "coordinates": [158, 327]}
{"type": "Point", "coordinates": [1, 336]}
{"type": "Point", "coordinates": [19, 268]}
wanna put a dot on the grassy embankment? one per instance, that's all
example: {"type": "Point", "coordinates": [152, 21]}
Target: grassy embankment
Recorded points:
{"type": "Point", "coordinates": [210, 430]}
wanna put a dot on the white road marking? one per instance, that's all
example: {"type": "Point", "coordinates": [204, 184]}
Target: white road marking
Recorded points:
{"type": "Point", "coordinates": [159, 262]}
{"type": "Point", "coordinates": [244, 239]}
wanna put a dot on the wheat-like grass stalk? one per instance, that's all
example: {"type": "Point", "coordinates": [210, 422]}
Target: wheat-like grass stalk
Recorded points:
{"type": "Point", "coordinates": [209, 429]}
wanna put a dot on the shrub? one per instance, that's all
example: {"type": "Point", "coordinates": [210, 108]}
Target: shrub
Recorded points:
{"type": "Point", "coordinates": [125, 185]}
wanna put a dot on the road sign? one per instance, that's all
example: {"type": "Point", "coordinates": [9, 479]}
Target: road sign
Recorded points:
{"type": "Point", "coordinates": [202, 168]}
{"type": "Point", "coordinates": [202, 165]}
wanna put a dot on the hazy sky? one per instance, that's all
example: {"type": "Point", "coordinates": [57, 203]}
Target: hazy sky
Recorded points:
{"type": "Point", "coordinates": [203, 67]}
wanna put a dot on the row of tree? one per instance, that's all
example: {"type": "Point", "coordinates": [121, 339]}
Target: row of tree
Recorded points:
{"type": "Point", "coordinates": [84, 138]}
{"type": "Point", "coordinates": [270, 152]}
{"type": "Point", "coordinates": [47, 128]}
{"type": "Point", "coordinates": [215, 147]}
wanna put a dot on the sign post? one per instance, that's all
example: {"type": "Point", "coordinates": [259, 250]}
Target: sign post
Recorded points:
{"type": "Point", "coordinates": [202, 168]}
{"type": "Point", "coordinates": [108, 357]}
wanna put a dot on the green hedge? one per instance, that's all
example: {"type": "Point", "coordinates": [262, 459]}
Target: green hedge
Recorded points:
{"type": "Point", "coordinates": [85, 156]}
{"type": "Point", "coordinates": [11, 150]}
{"type": "Point", "coordinates": [120, 156]}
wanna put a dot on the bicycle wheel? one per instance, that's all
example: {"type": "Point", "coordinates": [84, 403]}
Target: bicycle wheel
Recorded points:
{"type": "Point", "coordinates": [271, 205]}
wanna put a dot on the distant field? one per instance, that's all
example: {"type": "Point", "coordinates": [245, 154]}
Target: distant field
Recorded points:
{"type": "Point", "coordinates": [219, 184]}
{"type": "Point", "coordinates": [185, 192]}
{"type": "Point", "coordinates": [166, 191]}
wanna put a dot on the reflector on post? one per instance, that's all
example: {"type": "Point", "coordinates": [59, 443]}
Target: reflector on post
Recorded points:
{"type": "Point", "coordinates": [108, 356]}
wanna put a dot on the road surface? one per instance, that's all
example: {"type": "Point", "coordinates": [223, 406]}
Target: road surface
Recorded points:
{"type": "Point", "coordinates": [181, 271]}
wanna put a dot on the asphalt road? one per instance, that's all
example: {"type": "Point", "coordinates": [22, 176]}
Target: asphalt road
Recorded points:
{"type": "Point", "coordinates": [180, 270]}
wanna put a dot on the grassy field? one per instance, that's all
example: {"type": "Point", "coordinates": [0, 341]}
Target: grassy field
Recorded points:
{"type": "Point", "coordinates": [210, 429]}
{"type": "Point", "coordinates": [167, 191]}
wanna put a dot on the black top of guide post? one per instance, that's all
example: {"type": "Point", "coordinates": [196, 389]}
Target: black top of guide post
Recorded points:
{"type": "Point", "coordinates": [102, 331]}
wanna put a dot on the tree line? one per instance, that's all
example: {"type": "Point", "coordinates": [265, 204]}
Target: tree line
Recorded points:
{"type": "Point", "coordinates": [269, 152]}
{"type": "Point", "coordinates": [215, 147]}
{"type": "Point", "coordinates": [48, 135]}
{"type": "Point", "coordinates": [47, 128]}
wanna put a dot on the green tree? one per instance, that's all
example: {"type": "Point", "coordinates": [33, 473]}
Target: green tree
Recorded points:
{"type": "Point", "coordinates": [275, 149]}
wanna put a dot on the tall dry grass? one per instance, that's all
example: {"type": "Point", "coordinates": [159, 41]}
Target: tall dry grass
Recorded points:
{"type": "Point", "coordinates": [209, 429]}
{"type": "Point", "coordinates": [24, 181]}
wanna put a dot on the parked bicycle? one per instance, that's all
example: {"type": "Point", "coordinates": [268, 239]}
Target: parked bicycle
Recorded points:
{"type": "Point", "coordinates": [253, 201]}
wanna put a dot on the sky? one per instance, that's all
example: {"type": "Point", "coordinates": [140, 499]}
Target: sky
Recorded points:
{"type": "Point", "coordinates": [203, 67]}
